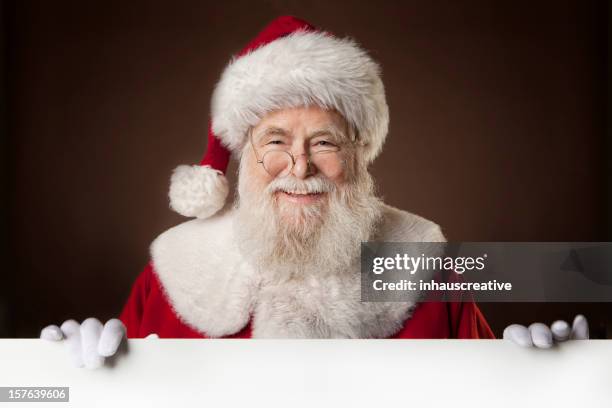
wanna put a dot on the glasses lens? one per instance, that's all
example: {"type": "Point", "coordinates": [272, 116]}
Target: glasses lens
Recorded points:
{"type": "Point", "coordinates": [277, 163]}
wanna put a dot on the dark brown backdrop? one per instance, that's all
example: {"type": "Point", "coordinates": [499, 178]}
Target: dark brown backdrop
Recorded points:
{"type": "Point", "coordinates": [498, 130]}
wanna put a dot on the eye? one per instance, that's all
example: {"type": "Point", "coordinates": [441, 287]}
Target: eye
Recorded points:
{"type": "Point", "coordinates": [324, 143]}
{"type": "Point", "coordinates": [274, 142]}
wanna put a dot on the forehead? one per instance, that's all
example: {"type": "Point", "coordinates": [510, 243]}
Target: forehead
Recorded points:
{"type": "Point", "coordinates": [302, 119]}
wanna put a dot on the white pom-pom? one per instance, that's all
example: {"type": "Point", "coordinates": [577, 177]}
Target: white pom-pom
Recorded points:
{"type": "Point", "coordinates": [197, 191]}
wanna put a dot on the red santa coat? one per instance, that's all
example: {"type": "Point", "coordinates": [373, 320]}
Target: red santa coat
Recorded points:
{"type": "Point", "coordinates": [195, 287]}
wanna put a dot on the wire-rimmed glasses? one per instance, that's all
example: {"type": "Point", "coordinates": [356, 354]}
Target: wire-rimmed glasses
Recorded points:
{"type": "Point", "coordinates": [280, 163]}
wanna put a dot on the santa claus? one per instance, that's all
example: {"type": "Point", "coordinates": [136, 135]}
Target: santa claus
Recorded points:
{"type": "Point", "coordinates": [305, 114]}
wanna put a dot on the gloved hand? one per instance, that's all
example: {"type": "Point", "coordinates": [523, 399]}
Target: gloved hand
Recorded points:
{"type": "Point", "coordinates": [88, 343]}
{"type": "Point", "coordinates": [542, 336]}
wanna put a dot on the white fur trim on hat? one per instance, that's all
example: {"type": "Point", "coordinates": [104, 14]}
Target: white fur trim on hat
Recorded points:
{"type": "Point", "coordinates": [197, 191]}
{"type": "Point", "coordinates": [301, 69]}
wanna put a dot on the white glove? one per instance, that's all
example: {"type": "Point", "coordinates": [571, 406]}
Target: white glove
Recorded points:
{"type": "Point", "coordinates": [542, 336]}
{"type": "Point", "coordinates": [88, 343]}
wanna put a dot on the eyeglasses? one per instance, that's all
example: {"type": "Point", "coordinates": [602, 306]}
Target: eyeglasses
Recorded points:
{"type": "Point", "coordinates": [280, 163]}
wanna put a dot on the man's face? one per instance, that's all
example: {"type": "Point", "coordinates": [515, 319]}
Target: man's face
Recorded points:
{"type": "Point", "coordinates": [308, 216]}
{"type": "Point", "coordinates": [300, 182]}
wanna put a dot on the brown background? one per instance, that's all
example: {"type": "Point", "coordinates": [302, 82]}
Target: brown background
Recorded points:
{"type": "Point", "coordinates": [498, 131]}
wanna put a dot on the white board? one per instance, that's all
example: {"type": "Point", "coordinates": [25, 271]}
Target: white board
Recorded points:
{"type": "Point", "coordinates": [313, 373]}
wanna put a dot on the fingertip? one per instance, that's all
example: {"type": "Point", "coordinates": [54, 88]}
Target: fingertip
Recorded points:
{"type": "Point", "coordinates": [541, 335]}
{"type": "Point", "coordinates": [51, 333]}
{"type": "Point", "coordinates": [518, 334]}
{"type": "Point", "coordinates": [115, 325]}
{"type": "Point", "coordinates": [560, 330]}
{"type": "Point", "coordinates": [112, 334]}
{"type": "Point", "coordinates": [70, 326]}
{"type": "Point", "coordinates": [580, 319]}
{"type": "Point", "coordinates": [91, 322]}
{"type": "Point", "coordinates": [90, 332]}
{"type": "Point", "coordinates": [580, 328]}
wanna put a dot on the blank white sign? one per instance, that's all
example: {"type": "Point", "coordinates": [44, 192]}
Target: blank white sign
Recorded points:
{"type": "Point", "coordinates": [313, 373]}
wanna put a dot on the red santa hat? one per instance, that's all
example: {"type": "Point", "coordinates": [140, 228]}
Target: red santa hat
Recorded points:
{"type": "Point", "coordinates": [289, 64]}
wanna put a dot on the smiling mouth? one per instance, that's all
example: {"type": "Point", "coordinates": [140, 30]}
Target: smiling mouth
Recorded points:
{"type": "Point", "coordinates": [300, 197]}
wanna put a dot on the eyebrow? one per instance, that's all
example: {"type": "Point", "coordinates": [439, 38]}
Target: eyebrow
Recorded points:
{"type": "Point", "coordinates": [331, 130]}
{"type": "Point", "coordinates": [336, 134]}
{"type": "Point", "coordinates": [272, 130]}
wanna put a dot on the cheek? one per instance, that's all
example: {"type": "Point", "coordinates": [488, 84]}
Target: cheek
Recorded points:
{"type": "Point", "coordinates": [343, 173]}
{"type": "Point", "coordinates": [255, 177]}
{"type": "Point", "coordinates": [337, 177]}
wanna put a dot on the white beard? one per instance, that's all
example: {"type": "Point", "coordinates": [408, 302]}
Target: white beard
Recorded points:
{"type": "Point", "coordinates": [288, 242]}
{"type": "Point", "coordinates": [307, 259]}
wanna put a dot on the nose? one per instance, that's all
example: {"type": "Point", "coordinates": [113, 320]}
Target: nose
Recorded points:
{"type": "Point", "coordinates": [302, 168]}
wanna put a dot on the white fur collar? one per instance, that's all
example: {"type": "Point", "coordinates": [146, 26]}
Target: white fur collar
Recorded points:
{"type": "Point", "coordinates": [214, 290]}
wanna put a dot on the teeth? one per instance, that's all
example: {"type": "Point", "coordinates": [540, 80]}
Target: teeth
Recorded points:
{"type": "Point", "coordinates": [300, 192]}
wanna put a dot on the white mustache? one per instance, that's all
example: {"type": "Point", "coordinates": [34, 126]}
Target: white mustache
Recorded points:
{"type": "Point", "coordinates": [293, 185]}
